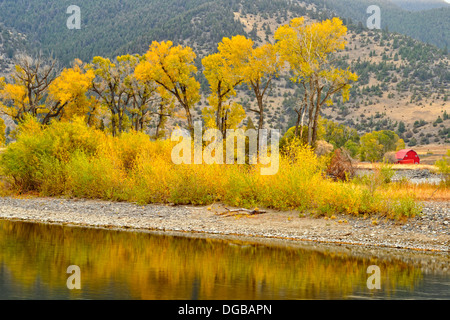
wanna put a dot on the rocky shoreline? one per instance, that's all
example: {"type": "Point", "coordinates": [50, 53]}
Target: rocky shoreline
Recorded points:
{"type": "Point", "coordinates": [430, 232]}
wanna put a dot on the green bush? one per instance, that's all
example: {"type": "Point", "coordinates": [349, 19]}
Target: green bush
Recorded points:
{"type": "Point", "coordinates": [444, 169]}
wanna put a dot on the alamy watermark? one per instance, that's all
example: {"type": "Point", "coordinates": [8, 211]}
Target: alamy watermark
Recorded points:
{"type": "Point", "coordinates": [235, 148]}
{"type": "Point", "coordinates": [374, 21]}
{"type": "Point", "coordinates": [374, 281]}
{"type": "Point", "coordinates": [74, 21]}
{"type": "Point", "coordinates": [74, 281]}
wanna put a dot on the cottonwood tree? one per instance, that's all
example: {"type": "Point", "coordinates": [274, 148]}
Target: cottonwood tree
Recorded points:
{"type": "Point", "coordinates": [263, 66]}
{"type": "Point", "coordinates": [67, 95]}
{"type": "Point", "coordinates": [120, 91]}
{"type": "Point", "coordinates": [26, 91]}
{"type": "Point", "coordinates": [109, 87]}
{"type": "Point", "coordinates": [309, 48]}
{"type": "Point", "coordinates": [164, 111]}
{"type": "Point", "coordinates": [173, 68]}
{"type": "Point", "coordinates": [140, 95]}
{"type": "Point", "coordinates": [37, 89]}
{"type": "Point", "coordinates": [375, 144]}
{"type": "Point", "coordinates": [225, 70]}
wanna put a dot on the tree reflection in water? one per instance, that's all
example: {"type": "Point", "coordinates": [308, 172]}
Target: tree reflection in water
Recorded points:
{"type": "Point", "coordinates": [145, 266]}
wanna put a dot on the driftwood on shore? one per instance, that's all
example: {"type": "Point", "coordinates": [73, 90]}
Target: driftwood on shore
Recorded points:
{"type": "Point", "coordinates": [235, 212]}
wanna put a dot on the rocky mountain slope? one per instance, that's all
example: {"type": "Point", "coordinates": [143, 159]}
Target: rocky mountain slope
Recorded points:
{"type": "Point", "coordinates": [403, 83]}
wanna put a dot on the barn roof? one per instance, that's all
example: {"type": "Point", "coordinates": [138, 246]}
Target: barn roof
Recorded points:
{"type": "Point", "coordinates": [402, 153]}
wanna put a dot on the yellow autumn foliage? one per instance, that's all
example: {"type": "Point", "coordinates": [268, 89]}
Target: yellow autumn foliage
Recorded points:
{"type": "Point", "coordinates": [164, 267]}
{"type": "Point", "coordinates": [72, 159]}
{"type": "Point", "coordinates": [173, 68]}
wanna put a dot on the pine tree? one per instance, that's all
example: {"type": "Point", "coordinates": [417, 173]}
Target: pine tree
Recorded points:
{"type": "Point", "coordinates": [401, 127]}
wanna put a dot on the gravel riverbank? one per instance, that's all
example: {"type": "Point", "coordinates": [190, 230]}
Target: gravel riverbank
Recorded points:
{"type": "Point", "coordinates": [430, 232]}
{"type": "Point", "coordinates": [414, 176]}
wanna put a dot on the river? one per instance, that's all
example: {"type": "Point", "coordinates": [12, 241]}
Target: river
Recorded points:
{"type": "Point", "coordinates": [128, 265]}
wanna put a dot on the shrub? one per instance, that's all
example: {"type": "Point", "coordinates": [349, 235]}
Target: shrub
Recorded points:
{"type": "Point", "coordinates": [71, 159]}
{"type": "Point", "coordinates": [323, 148]}
{"type": "Point", "coordinates": [405, 206]}
{"type": "Point", "coordinates": [341, 166]}
{"type": "Point", "coordinates": [444, 169]}
{"type": "Point", "coordinates": [390, 157]}
{"type": "Point", "coordinates": [374, 145]}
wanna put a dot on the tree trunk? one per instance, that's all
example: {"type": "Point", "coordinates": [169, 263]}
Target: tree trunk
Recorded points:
{"type": "Point", "coordinates": [311, 112]}
{"type": "Point", "coordinates": [189, 120]}
{"type": "Point", "coordinates": [141, 123]}
{"type": "Point", "coordinates": [120, 113]}
{"type": "Point", "coordinates": [113, 123]}
{"type": "Point", "coordinates": [160, 120]}
{"type": "Point", "coordinates": [310, 124]}
{"type": "Point", "coordinates": [259, 99]}
{"type": "Point", "coordinates": [316, 118]}
{"type": "Point", "coordinates": [297, 124]}
{"type": "Point", "coordinates": [219, 116]}
{"type": "Point", "coordinates": [316, 124]}
{"type": "Point", "coordinates": [301, 117]}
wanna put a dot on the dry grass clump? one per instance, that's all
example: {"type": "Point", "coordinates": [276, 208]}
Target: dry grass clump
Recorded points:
{"type": "Point", "coordinates": [390, 157]}
{"type": "Point", "coordinates": [341, 166]}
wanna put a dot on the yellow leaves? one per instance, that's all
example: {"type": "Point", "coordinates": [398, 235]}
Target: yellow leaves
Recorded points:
{"type": "Point", "coordinates": [353, 77]}
{"type": "Point", "coordinates": [69, 91]}
{"type": "Point", "coordinates": [219, 73]}
{"type": "Point", "coordinates": [167, 65]}
{"type": "Point", "coordinates": [227, 68]}
{"type": "Point", "coordinates": [14, 98]}
{"type": "Point", "coordinates": [224, 71]}
{"type": "Point", "coordinates": [236, 50]}
{"type": "Point", "coordinates": [101, 66]}
{"type": "Point", "coordinates": [307, 46]}
{"type": "Point", "coordinates": [71, 84]}
{"type": "Point", "coordinates": [2, 132]}
{"type": "Point", "coordinates": [14, 92]}
{"type": "Point", "coordinates": [173, 68]}
{"type": "Point", "coordinates": [297, 22]}
{"type": "Point", "coordinates": [236, 114]}
{"type": "Point", "coordinates": [264, 61]}
{"type": "Point", "coordinates": [30, 126]}
{"type": "Point", "coordinates": [19, 71]}
{"type": "Point", "coordinates": [209, 117]}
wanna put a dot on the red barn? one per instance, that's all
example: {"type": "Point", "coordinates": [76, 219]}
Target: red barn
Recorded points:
{"type": "Point", "coordinates": [408, 156]}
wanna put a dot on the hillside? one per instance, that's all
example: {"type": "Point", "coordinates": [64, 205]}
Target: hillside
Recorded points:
{"type": "Point", "coordinates": [419, 5]}
{"type": "Point", "coordinates": [403, 86]}
{"type": "Point", "coordinates": [429, 26]}
{"type": "Point", "coordinates": [130, 25]}
{"type": "Point", "coordinates": [117, 26]}
{"type": "Point", "coordinates": [403, 83]}
{"type": "Point", "coordinates": [11, 42]}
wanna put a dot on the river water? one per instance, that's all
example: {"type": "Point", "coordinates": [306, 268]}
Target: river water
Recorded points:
{"type": "Point", "coordinates": [126, 265]}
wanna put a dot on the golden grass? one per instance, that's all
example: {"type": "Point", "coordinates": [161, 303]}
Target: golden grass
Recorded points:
{"type": "Point", "coordinates": [422, 192]}
{"type": "Point", "coordinates": [373, 166]}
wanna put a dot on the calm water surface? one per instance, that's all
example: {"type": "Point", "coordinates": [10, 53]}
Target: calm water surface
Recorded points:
{"type": "Point", "coordinates": [125, 265]}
